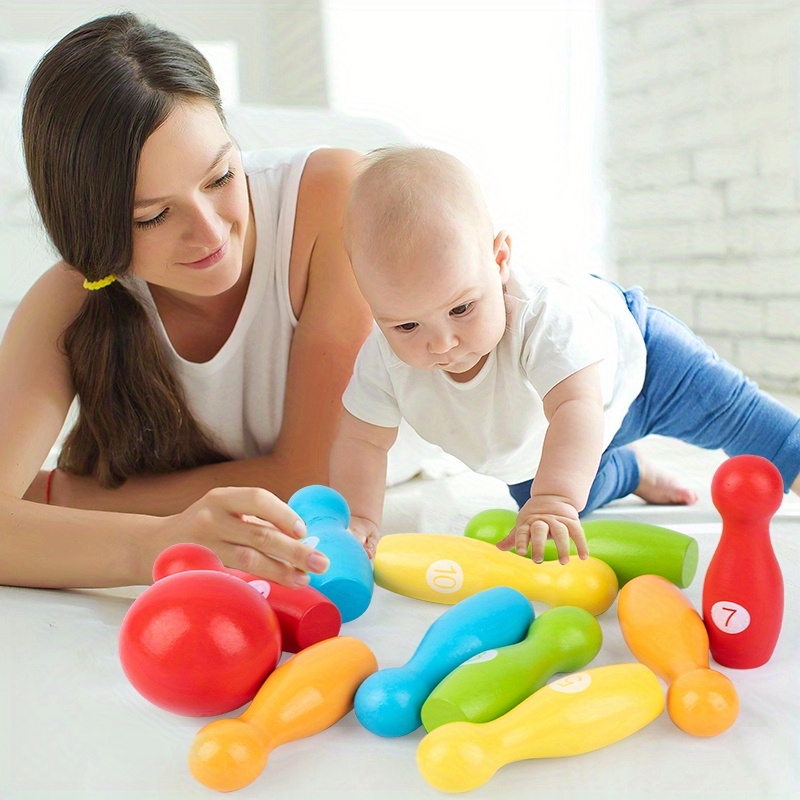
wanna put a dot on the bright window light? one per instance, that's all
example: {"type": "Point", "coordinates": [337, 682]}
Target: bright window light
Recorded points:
{"type": "Point", "coordinates": [511, 88]}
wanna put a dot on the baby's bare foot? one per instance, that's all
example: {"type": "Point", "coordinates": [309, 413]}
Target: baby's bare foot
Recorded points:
{"type": "Point", "coordinates": [658, 488]}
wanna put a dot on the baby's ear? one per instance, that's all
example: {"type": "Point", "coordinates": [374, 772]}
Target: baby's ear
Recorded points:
{"type": "Point", "coordinates": [502, 254]}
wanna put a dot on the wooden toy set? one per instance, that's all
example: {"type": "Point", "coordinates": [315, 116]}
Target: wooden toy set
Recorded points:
{"type": "Point", "coordinates": [204, 640]}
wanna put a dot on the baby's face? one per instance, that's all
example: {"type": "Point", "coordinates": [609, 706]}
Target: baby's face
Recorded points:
{"type": "Point", "coordinates": [442, 306]}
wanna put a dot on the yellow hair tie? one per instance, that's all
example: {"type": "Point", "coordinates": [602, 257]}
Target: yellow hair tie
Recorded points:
{"type": "Point", "coordinates": [93, 286]}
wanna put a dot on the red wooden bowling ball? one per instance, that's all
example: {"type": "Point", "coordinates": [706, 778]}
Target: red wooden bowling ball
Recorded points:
{"type": "Point", "coordinates": [199, 643]}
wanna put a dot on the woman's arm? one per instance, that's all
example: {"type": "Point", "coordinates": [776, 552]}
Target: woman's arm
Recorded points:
{"type": "Point", "coordinates": [333, 322]}
{"type": "Point", "coordinates": [59, 547]}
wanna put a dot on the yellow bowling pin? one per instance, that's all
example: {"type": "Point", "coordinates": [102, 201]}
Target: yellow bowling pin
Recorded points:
{"type": "Point", "coordinates": [664, 631]}
{"type": "Point", "coordinates": [576, 714]}
{"type": "Point", "coordinates": [446, 569]}
{"type": "Point", "coordinates": [307, 694]}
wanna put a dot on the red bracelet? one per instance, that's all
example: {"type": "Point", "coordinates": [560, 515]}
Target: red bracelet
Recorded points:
{"type": "Point", "coordinates": [47, 486]}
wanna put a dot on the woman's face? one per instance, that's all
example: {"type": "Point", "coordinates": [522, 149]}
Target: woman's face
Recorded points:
{"type": "Point", "coordinates": [191, 206]}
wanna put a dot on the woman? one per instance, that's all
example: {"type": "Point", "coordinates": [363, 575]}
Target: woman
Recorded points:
{"type": "Point", "coordinates": [204, 314]}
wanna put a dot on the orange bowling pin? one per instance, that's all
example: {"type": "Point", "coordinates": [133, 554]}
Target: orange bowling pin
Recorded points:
{"type": "Point", "coordinates": [307, 694]}
{"type": "Point", "coordinates": [665, 633]}
{"type": "Point", "coordinates": [446, 569]}
{"type": "Point", "coordinates": [575, 714]}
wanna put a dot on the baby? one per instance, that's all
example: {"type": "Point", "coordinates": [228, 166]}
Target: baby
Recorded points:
{"type": "Point", "coordinates": [543, 386]}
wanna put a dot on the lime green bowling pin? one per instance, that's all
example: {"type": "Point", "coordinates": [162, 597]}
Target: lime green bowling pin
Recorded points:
{"type": "Point", "coordinates": [563, 639]}
{"type": "Point", "coordinates": [629, 548]}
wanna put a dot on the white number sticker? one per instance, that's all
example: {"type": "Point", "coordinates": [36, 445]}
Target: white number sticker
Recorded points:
{"type": "Point", "coordinates": [486, 655]}
{"type": "Point", "coordinates": [262, 587]}
{"type": "Point", "coordinates": [445, 576]}
{"type": "Point", "coordinates": [572, 684]}
{"type": "Point", "coordinates": [730, 617]}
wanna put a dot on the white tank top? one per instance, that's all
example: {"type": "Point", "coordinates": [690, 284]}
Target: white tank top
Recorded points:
{"type": "Point", "coordinates": [238, 394]}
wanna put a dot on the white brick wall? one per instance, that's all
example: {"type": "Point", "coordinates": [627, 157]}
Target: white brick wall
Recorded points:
{"type": "Point", "coordinates": [703, 101]}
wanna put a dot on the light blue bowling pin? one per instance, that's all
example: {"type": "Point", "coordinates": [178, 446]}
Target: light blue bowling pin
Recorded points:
{"type": "Point", "coordinates": [389, 702]}
{"type": "Point", "coordinates": [348, 582]}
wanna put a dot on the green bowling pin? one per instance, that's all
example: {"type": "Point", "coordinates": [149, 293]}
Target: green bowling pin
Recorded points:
{"type": "Point", "coordinates": [563, 639]}
{"type": "Point", "coordinates": [629, 548]}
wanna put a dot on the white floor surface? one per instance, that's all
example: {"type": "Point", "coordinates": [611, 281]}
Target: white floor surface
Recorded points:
{"type": "Point", "coordinates": [71, 726]}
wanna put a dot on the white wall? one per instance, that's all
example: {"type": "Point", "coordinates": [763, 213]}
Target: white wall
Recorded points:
{"type": "Point", "coordinates": [703, 138]}
{"type": "Point", "coordinates": [510, 88]}
{"type": "Point", "coordinates": [279, 42]}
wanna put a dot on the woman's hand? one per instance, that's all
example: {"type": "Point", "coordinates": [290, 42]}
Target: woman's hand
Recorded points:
{"type": "Point", "coordinates": [250, 529]}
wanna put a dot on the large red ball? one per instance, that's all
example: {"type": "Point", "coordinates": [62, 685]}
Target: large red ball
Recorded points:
{"type": "Point", "coordinates": [199, 643]}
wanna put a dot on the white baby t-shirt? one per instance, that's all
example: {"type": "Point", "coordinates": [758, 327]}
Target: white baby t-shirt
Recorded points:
{"type": "Point", "coordinates": [495, 423]}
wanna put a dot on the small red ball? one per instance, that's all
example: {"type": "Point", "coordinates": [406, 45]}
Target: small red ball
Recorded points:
{"type": "Point", "coordinates": [184, 557]}
{"type": "Point", "coordinates": [199, 643]}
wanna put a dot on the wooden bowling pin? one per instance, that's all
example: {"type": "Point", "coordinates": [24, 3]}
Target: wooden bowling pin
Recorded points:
{"type": "Point", "coordinates": [305, 695]}
{"type": "Point", "coordinates": [576, 714]}
{"type": "Point", "coordinates": [305, 615]}
{"type": "Point", "coordinates": [348, 581]}
{"type": "Point", "coordinates": [665, 633]}
{"type": "Point", "coordinates": [389, 702]}
{"type": "Point", "coordinates": [743, 589]}
{"type": "Point", "coordinates": [629, 548]}
{"type": "Point", "coordinates": [446, 569]}
{"type": "Point", "coordinates": [484, 688]}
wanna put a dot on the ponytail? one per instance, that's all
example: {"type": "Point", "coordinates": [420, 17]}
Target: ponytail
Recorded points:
{"type": "Point", "coordinates": [92, 102]}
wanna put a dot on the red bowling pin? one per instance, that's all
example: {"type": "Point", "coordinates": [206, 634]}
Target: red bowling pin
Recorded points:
{"type": "Point", "coordinates": [305, 616]}
{"type": "Point", "coordinates": [743, 589]}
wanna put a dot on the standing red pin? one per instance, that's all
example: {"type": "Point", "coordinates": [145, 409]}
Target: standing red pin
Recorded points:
{"type": "Point", "coordinates": [743, 589]}
{"type": "Point", "coordinates": [305, 616]}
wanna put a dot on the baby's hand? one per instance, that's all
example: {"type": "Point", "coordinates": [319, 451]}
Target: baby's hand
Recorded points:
{"type": "Point", "coordinates": [546, 516]}
{"type": "Point", "coordinates": [366, 532]}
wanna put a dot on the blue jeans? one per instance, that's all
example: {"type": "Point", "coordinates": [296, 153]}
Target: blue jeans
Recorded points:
{"type": "Point", "coordinates": [690, 394]}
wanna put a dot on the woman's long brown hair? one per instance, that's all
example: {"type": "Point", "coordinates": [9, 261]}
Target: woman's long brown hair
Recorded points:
{"type": "Point", "coordinates": [91, 103]}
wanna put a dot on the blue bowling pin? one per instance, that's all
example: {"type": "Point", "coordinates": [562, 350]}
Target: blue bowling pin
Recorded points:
{"type": "Point", "coordinates": [348, 582]}
{"type": "Point", "coordinates": [389, 702]}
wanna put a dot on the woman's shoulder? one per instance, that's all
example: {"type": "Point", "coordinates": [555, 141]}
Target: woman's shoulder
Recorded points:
{"type": "Point", "coordinates": [329, 173]}
{"type": "Point", "coordinates": [333, 162]}
{"type": "Point", "coordinates": [32, 352]}
{"type": "Point", "coordinates": [319, 163]}
{"type": "Point", "coordinates": [257, 162]}
{"type": "Point", "coordinates": [324, 188]}
{"type": "Point", "coordinates": [309, 187]}
{"type": "Point", "coordinates": [317, 234]}
{"type": "Point", "coordinates": [53, 301]}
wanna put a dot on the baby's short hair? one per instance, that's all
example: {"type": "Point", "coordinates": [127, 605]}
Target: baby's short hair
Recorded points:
{"type": "Point", "coordinates": [404, 192]}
